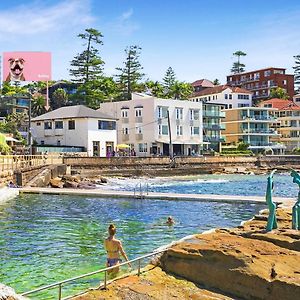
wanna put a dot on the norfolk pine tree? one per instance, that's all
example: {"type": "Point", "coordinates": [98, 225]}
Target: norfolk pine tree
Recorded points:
{"type": "Point", "coordinates": [130, 74]}
{"type": "Point", "coordinates": [168, 82]}
{"type": "Point", "coordinates": [237, 66]}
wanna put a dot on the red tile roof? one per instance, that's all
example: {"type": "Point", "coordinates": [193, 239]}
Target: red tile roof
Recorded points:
{"type": "Point", "coordinates": [281, 104]}
{"type": "Point", "coordinates": [203, 83]}
{"type": "Point", "coordinates": [218, 89]}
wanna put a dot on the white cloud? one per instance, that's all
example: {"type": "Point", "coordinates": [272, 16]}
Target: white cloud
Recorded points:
{"type": "Point", "coordinates": [124, 24]}
{"type": "Point", "coordinates": [37, 17]}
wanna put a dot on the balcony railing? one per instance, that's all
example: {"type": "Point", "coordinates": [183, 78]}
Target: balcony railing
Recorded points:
{"type": "Point", "coordinates": [219, 139]}
{"type": "Point", "coordinates": [265, 131]}
{"type": "Point", "coordinates": [214, 114]}
{"type": "Point", "coordinates": [259, 118]}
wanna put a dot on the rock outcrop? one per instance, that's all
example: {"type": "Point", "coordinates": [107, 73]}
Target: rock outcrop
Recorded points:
{"type": "Point", "coordinates": [7, 293]}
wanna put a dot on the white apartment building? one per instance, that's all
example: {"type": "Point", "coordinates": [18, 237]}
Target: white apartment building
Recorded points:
{"type": "Point", "coordinates": [143, 124]}
{"type": "Point", "coordinates": [231, 97]}
{"type": "Point", "coordinates": [76, 126]}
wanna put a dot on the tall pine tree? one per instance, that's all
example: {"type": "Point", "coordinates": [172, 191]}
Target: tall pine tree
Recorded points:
{"type": "Point", "coordinates": [130, 74]}
{"type": "Point", "coordinates": [297, 72]}
{"type": "Point", "coordinates": [169, 82]}
{"type": "Point", "coordinates": [237, 66]}
{"type": "Point", "coordinates": [88, 65]}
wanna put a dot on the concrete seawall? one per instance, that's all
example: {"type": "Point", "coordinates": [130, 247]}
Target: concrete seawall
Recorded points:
{"type": "Point", "coordinates": [156, 166]}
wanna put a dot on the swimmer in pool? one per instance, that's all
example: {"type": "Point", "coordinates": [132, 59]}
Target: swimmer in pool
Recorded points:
{"type": "Point", "coordinates": [113, 248]}
{"type": "Point", "coordinates": [170, 221]}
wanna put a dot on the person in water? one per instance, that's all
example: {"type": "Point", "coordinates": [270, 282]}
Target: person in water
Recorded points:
{"type": "Point", "coordinates": [170, 221]}
{"type": "Point", "coordinates": [113, 248]}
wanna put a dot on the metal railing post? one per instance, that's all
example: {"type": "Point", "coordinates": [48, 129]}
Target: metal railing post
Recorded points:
{"type": "Point", "coordinates": [139, 267]}
{"type": "Point", "coordinates": [59, 291]}
{"type": "Point", "coordinates": [105, 279]}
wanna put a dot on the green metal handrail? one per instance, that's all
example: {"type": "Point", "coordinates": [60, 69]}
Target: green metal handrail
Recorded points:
{"type": "Point", "coordinates": [60, 283]}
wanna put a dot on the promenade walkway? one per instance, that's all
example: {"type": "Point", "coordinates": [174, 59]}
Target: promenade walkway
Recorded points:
{"type": "Point", "coordinates": [153, 195]}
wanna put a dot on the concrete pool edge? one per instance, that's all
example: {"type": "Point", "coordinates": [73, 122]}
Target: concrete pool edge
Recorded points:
{"type": "Point", "coordinates": [154, 195]}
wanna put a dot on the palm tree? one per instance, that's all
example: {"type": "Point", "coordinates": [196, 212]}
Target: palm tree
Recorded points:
{"type": "Point", "coordinates": [38, 105]}
{"type": "Point", "coordinates": [59, 98]}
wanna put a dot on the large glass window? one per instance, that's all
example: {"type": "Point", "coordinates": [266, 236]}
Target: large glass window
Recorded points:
{"type": "Point", "coordinates": [48, 125]}
{"type": "Point", "coordinates": [106, 125]}
{"type": "Point", "coordinates": [59, 124]}
{"type": "Point", "coordinates": [162, 112]}
{"type": "Point", "coordinates": [179, 113]}
{"type": "Point", "coordinates": [71, 124]}
{"type": "Point", "coordinates": [143, 147]}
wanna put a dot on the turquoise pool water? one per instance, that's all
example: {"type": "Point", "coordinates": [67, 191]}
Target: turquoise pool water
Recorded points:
{"type": "Point", "coordinates": [44, 239]}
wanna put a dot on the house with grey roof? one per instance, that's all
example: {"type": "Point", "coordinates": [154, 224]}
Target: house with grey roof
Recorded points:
{"type": "Point", "coordinates": [76, 126]}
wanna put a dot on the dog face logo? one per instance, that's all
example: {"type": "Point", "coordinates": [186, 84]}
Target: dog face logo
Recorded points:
{"type": "Point", "coordinates": [16, 67]}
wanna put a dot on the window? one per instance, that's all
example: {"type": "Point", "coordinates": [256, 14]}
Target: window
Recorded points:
{"type": "Point", "coordinates": [164, 129]}
{"type": "Point", "coordinates": [267, 73]}
{"type": "Point", "coordinates": [143, 147]}
{"type": "Point", "coordinates": [195, 130]}
{"type": "Point", "coordinates": [71, 124]}
{"type": "Point", "coordinates": [58, 143]}
{"type": "Point", "coordinates": [179, 113]}
{"type": "Point", "coordinates": [162, 112]}
{"type": "Point", "coordinates": [229, 106]}
{"type": "Point", "coordinates": [226, 96]}
{"type": "Point", "coordinates": [38, 124]}
{"type": "Point", "coordinates": [138, 130]}
{"type": "Point", "coordinates": [230, 96]}
{"type": "Point", "coordinates": [124, 113]}
{"type": "Point", "coordinates": [59, 124]}
{"type": "Point", "coordinates": [48, 125]}
{"type": "Point", "coordinates": [243, 105]}
{"type": "Point", "coordinates": [42, 142]}
{"type": "Point", "coordinates": [194, 114]}
{"type": "Point", "coordinates": [138, 112]}
{"type": "Point", "coordinates": [125, 130]}
{"type": "Point", "coordinates": [284, 82]}
{"type": "Point", "coordinates": [179, 130]}
{"type": "Point", "coordinates": [106, 125]}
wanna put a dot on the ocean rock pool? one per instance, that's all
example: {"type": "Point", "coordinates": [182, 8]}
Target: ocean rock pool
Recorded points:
{"type": "Point", "coordinates": [48, 238]}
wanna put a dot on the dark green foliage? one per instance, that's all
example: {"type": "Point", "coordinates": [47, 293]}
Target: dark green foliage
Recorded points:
{"type": "Point", "coordinates": [237, 66]}
{"type": "Point", "coordinates": [130, 74]}
{"type": "Point", "coordinates": [88, 65]}
{"type": "Point", "coordinates": [168, 82]}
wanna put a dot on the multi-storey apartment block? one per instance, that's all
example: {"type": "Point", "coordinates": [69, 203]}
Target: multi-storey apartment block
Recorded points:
{"type": "Point", "coordinates": [252, 125]}
{"type": "Point", "coordinates": [288, 121]}
{"type": "Point", "coordinates": [230, 97]}
{"type": "Point", "coordinates": [260, 82]}
{"type": "Point", "coordinates": [143, 125]}
{"type": "Point", "coordinates": [212, 126]}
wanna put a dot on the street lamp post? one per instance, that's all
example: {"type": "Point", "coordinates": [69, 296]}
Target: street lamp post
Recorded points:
{"type": "Point", "coordinates": [29, 126]}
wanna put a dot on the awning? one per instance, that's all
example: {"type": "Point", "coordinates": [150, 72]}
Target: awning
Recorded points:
{"type": "Point", "coordinates": [11, 139]}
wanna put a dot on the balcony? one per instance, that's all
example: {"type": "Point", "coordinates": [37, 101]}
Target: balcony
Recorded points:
{"type": "Point", "coordinates": [259, 118]}
{"type": "Point", "coordinates": [214, 114]}
{"type": "Point", "coordinates": [213, 126]}
{"type": "Point", "coordinates": [261, 131]}
{"type": "Point", "coordinates": [214, 139]}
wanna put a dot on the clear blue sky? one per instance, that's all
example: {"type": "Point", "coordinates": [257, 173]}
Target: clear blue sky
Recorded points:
{"type": "Point", "coordinates": [195, 37]}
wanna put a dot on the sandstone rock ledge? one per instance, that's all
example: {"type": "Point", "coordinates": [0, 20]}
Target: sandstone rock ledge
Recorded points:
{"type": "Point", "coordinates": [242, 263]}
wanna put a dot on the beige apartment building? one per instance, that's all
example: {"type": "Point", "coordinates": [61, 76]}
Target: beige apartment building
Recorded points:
{"type": "Point", "coordinates": [252, 125]}
{"type": "Point", "coordinates": [143, 125]}
{"type": "Point", "coordinates": [287, 114]}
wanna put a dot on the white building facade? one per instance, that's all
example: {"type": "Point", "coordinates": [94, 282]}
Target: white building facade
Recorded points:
{"type": "Point", "coordinates": [143, 125]}
{"type": "Point", "coordinates": [231, 97]}
{"type": "Point", "coordinates": [76, 126]}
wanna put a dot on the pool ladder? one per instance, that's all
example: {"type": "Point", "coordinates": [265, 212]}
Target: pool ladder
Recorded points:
{"type": "Point", "coordinates": [140, 190]}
